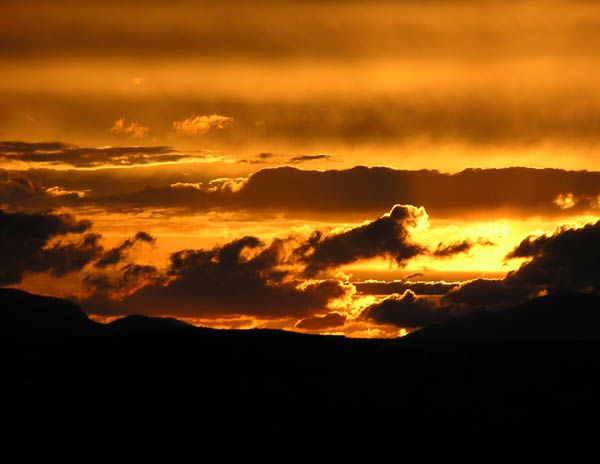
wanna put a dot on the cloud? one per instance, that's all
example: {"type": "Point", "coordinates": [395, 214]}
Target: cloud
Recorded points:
{"type": "Point", "coordinates": [199, 125]}
{"type": "Point", "coordinates": [304, 158]}
{"type": "Point", "coordinates": [119, 253]}
{"type": "Point", "coordinates": [565, 260]}
{"type": "Point", "coordinates": [488, 293]}
{"type": "Point", "coordinates": [27, 246]}
{"type": "Point", "coordinates": [363, 190]}
{"type": "Point", "coordinates": [121, 282]}
{"type": "Point", "coordinates": [386, 237]}
{"type": "Point", "coordinates": [134, 128]}
{"type": "Point", "coordinates": [374, 287]}
{"type": "Point", "coordinates": [463, 246]}
{"type": "Point", "coordinates": [242, 277]}
{"type": "Point", "coordinates": [55, 153]}
{"type": "Point", "coordinates": [407, 310]}
{"type": "Point", "coordinates": [59, 244]}
{"type": "Point", "coordinates": [19, 192]}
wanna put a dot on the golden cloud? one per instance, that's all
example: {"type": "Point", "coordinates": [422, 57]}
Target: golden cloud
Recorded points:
{"type": "Point", "coordinates": [199, 125]}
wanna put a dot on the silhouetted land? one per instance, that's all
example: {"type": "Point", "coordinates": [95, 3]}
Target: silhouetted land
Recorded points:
{"type": "Point", "coordinates": [534, 364]}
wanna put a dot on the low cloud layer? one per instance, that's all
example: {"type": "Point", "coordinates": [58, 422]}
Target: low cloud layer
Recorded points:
{"type": "Point", "coordinates": [294, 277]}
{"type": "Point", "coordinates": [407, 311]}
{"type": "Point", "coordinates": [565, 260]}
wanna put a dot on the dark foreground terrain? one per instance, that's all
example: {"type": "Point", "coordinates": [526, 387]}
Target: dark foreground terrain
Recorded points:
{"type": "Point", "coordinates": [449, 377]}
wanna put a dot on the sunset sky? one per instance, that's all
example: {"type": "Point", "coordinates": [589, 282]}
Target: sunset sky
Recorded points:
{"type": "Point", "coordinates": [358, 168]}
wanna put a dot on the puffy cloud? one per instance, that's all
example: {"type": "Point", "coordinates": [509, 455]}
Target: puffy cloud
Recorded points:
{"type": "Point", "coordinates": [199, 125]}
{"type": "Point", "coordinates": [565, 260]}
{"type": "Point", "coordinates": [59, 244]}
{"type": "Point", "coordinates": [290, 277]}
{"type": "Point", "coordinates": [56, 153]}
{"type": "Point", "coordinates": [134, 128]}
{"type": "Point", "coordinates": [242, 277]}
{"type": "Point", "coordinates": [386, 237]}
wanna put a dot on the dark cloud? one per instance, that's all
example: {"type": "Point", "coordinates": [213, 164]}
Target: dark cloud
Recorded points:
{"type": "Point", "coordinates": [19, 192]}
{"type": "Point", "coordinates": [249, 277]}
{"type": "Point", "coordinates": [304, 158]}
{"type": "Point", "coordinates": [353, 192]}
{"type": "Point", "coordinates": [26, 245]}
{"type": "Point", "coordinates": [58, 244]}
{"type": "Point", "coordinates": [363, 190]}
{"type": "Point", "coordinates": [455, 248]}
{"type": "Point", "coordinates": [407, 310]}
{"type": "Point", "coordinates": [400, 286]}
{"type": "Point", "coordinates": [328, 321]}
{"type": "Point", "coordinates": [243, 277]}
{"type": "Point", "coordinates": [488, 293]}
{"type": "Point", "coordinates": [63, 154]}
{"type": "Point", "coordinates": [119, 253]}
{"type": "Point", "coordinates": [565, 260]}
{"type": "Point", "coordinates": [386, 237]}
{"type": "Point", "coordinates": [123, 281]}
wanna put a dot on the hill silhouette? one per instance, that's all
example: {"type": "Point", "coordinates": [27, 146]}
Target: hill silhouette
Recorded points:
{"type": "Point", "coordinates": [140, 323]}
{"type": "Point", "coordinates": [24, 312]}
{"type": "Point", "coordinates": [442, 378]}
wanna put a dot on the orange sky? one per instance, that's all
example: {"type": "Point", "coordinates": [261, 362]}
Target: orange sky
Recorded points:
{"type": "Point", "coordinates": [196, 100]}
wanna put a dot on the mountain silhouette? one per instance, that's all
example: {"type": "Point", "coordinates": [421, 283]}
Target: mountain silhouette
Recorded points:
{"type": "Point", "coordinates": [524, 367]}
{"type": "Point", "coordinates": [562, 316]}
{"type": "Point", "coordinates": [139, 323]}
{"type": "Point", "coordinates": [559, 316]}
{"type": "Point", "coordinates": [27, 313]}
{"type": "Point", "coordinates": [24, 312]}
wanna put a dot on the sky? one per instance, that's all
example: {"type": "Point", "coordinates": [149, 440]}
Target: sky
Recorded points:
{"type": "Point", "coordinates": [358, 168]}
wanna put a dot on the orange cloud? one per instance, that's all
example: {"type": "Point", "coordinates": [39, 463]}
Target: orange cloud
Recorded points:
{"type": "Point", "coordinates": [134, 129]}
{"type": "Point", "coordinates": [199, 125]}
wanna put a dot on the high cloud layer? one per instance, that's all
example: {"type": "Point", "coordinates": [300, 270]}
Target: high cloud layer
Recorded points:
{"type": "Point", "coordinates": [56, 153]}
{"type": "Point", "coordinates": [515, 191]}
